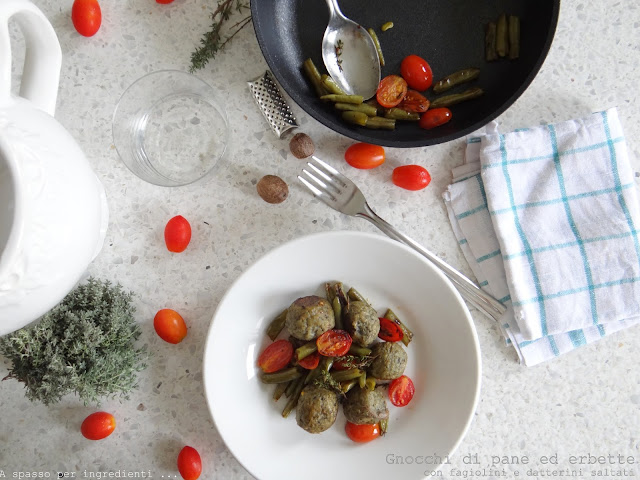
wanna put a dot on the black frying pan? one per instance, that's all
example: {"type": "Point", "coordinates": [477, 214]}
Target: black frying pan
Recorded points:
{"type": "Point", "coordinates": [449, 34]}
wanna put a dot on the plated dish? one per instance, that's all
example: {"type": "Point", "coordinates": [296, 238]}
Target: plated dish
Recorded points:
{"type": "Point", "coordinates": [444, 363]}
{"type": "Point", "coordinates": [449, 35]}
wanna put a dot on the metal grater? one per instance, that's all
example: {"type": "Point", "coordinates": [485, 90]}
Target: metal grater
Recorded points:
{"type": "Point", "coordinates": [272, 104]}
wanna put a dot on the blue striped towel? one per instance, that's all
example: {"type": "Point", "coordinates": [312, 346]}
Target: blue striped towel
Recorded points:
{"type": "Point", "coordinates": [548, 220]}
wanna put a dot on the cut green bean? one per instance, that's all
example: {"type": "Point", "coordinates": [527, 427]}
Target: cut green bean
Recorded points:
{"type": "Point", "coordinates": [384, 426]}
{"type": "Point", "coordinates": [376, 42]}
{"type": "Point", "coordinates": [331, 85]}
{"type": "Point", "coordinates": [369, 110]}
{"type": "Point", "coordinates": [490, 53]}
{"type": "Point", "coordinates": [329, 291]}
{"type": "Point", "coordinates": [337, 313]}
{"type": "Point", "coordinates": [407, 334]}
{"type": "Point", "coordinates": [381, 123]}
{"type": "Point", "coordinates": [455, 98]}
{"type": "Point", "coordinates": [399, 114]}
{"type": "Point", "coordinates": [514, 37]}
{"type": "Point", "coordinates": [314, 77]}
{"type": "Point", "coordinates": [276, 325]}
{"type": "Point", "coordinates": [343, 375]}
{"type": "Point", "coordinates": [370, 384]}
{"type": "Point", "coordinates": [359, 351]}
{"type": "Point", "coordinates": [354, 294]}
{"type": "Point", "coordinates": [374, 103]}
{"type": "Point", "coordinates": [355, 118]}
{"type": "Point", "coordinates": [305, 350]}
{"type": "Point", "coordinates": [343, 98]}
{"type": "Point", "coordinates": [348, 385]}
{"type": "Point", "coordinates": [502, 36]}
{"type": "Point", "coordinates": [282, 376]}
{"type": "Point", "coordinates": [293, 400]}
{"type": "Point", "coordinates": [386, 26]}
{"type": "Point", "coordinates": [279, 390]}
{"type": "Point", "coordinates": [456, 78]}
{"type": "Point", "coordinates": [362, 380]}
{"type": "Point", "coordinates": [291, 386]}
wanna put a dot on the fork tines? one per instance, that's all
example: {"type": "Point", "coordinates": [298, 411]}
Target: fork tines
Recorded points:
{"type": "Point", "coordinates": [321, 177]}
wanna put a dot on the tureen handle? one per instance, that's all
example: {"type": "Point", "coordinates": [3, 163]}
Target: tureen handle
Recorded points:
{"type": "Point", "coordinates": [43, 57]}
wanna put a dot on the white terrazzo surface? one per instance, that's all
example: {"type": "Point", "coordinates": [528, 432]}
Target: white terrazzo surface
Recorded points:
{"type": "Point", "coordinates": [584, 403]}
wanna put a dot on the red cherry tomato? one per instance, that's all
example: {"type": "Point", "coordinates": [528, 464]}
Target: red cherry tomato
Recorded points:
{"type": "Point", "coordinates": [189, 463]}
{"type": "Point", "coordinates": [177, 234]}
{"type": "Point", "coordinates": [164, 2]}
{"type": "Point", "coordinates": [401, 391]}
{"type": "Point", "coordinates": [364, 155]}
{"type": "Point", "coordinates": [310, 361]}
{"type": "Point", "coordinates": [417, 72]}
{"type": "Point", "coordinates": [98, 425]}
{"type": "Point", "coordinates": [390, 331]}
{"type": "Point", "coordinates": [276, 356]}
{"type": "Point", "coordinates": [434, 118]}
{"type": "Point", "coordinates": [170, 326]}
{"type": "Point", "coordinates": [362, 433]}
{"type": "Point", "coordinates": [86, 17]}
{"type": "Point", "coordinates": [414, 102]}
{"type": "Point", "coordinates": [411, 177]}
{"type": "Point", "coordinates": [334, 343]}
{"type": "Point", "coordinates": [391, 91]}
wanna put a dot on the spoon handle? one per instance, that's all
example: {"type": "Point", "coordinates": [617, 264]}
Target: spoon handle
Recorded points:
{"type": "Point", "coordinates": [334, 8]}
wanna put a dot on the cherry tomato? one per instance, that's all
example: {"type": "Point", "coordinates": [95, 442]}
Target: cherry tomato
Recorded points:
{"type": "Point", "coordinates": [401, 391]}
{"type": "Point", "coordinates": [98, 425]}
{"type": "Point", "coordinates": [334, 343]}
{"type": "Point", "coordinates": [310, 361]}
{"type": "Point", "coordinates": [86, 17]}
{"type": "Point", "coordinates": [189, 463]}
{"type": "Point", "coordinates": [417, 72]}
{"type": "Point", "coordinates": [434, 118]}
{"type": "Point", "coordinates": [411, 177]}
{"type": "Point", "coordinates": [364, 156]}
{"type": "Point", "coordinates": [362, 433]}
{"type": "Point", "coordinates": [164, 2]}
{"type": "Point", "coordinates": [177, 234]}
{"type": "Point", "coordinates": [170, 326]}
{"type": "Point", "coordinates": [414, 102]}
{"type": "Point", "coordinates": [390, 331]}
{"type": "Point", "coordinates": [276, 356]}
{"type": "Point", "coordinates": [391, 91]}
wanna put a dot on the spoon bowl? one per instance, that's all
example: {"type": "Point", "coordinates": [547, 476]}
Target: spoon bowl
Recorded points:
{"type": "Point", "coordinates": [349, 54]}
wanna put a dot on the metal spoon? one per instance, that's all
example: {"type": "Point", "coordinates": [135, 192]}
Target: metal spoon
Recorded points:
{"type": "Point", "coordinates": [350, 55]}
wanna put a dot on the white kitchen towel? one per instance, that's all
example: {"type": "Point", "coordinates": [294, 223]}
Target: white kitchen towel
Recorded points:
{"type": "Point", "coordinates": [550, 228]}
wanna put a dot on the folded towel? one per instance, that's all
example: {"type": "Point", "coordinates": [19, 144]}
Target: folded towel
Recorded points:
{"type": "Point", "coordinates": [547, 218]}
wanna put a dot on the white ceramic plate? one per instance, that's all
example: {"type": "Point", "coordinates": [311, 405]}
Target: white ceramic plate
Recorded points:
{"type": "Point", "coordinates": [444, 362]}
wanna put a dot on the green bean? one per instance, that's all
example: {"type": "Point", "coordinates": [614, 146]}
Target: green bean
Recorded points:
{"type": "Point", "coordinates": [362, 380]}
{"type": "Point", "coordinates": [407, 334]}
{"type": "Point", "coordinates": [502, 36]}
{"type": "Point", "coordinates": [295, 396]}
{"type": "Point", "coordinates": [331, 85]}
{"type": "Point", "coordinates": [454, 98]}
{"type": "Point", "coordinates": [456, 78]}
{"type": "Point", "coordinates": [359, 351]}
{"type": "Point", "coordinates": [342, 375]}
{"type": "Point", "coordinates": [370, 383]}
{"type": "Point", "coordinates": [386, 26]}
{"type": "Point", "coordinates": [490, 53]}
{"type": "Point", "coordinates": [348, 385]}
{"type": "Point", "coordinates": [326, 363]}
{"type": "Point", "coordinates": [314, 77]}
{"type": "Point", "coordinates": [356, 118]}
{"type": "Point", "coordinates": [280, 389]}
{"type": "Point", "coordinates": [354, 294]}
{"type": "Point", "coordinates": [399, 114]}
{"type": "Point", "coordinates": [344, 298]}
{"type": "Point", "coordinates": [376, 42]}
{"type": "Point", "coordinates": [369, 110]}
{"type": "Point", "coordinates": [381, 123]}
{"type": "Point", "coordinates": [514, 37]}
{"type": "Point", "coordinates": [337, 313]}
{"type": "Point", "coordinates": [384, 425]}
{"type": "Point", "coordinates": [342, 98]}
{"type": "Point", "coordinates": [374, 103]}
{"type": "Point", "coordinates": [291, 386]}
{"type": "Point", "coordinates": [281, 376]}
{"type": "Point", "coordinates": [276, 325]}
{"type": "Point", "coordinates": [329, 291]}
{"type": "Point", "coordinates": [305, 350]}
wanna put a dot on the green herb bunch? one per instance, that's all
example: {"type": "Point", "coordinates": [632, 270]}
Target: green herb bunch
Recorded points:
{"type": "Point", "coordinates": [83, 345]}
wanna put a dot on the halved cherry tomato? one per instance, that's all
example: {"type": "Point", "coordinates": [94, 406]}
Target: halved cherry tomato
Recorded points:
{"type": "Point", "coordinates": [391, 91]}
{"type": "Point", "coordinates": [170, 326]}
{"type": "Point", "coordinates": [417, 72]}
{"type": "Point", "coordinates": [364, 155]}
{"type": "Point", "coordinates": [189, 463]}
{"type": "Point", "coordinates": [276, 356]}
{"type": "Point", "coordinates": [390, 331]}
{"type": "Point", "coordinates": [164, 2]}
{"type": "Point", "coordinates": [334, 343]}
{"type": "Point", "coordinates": [434, 118]}
{"type": "Point", "coordinates": [414, 102]}
{"type": "Point", "coordinates": [177, 234]}
{"type": "Point", "coordinates": [310, 361]}
{"type": "Point", "coordinates": [98, 425]}
{"type": "Point", "coordinates": [411, 177]}
{"type": "Point", "coordinates": [86, 17]}
{"type": "Point", "coordinates": [401, 391]}
{"type": "Point", "coordinates": [362, 433]}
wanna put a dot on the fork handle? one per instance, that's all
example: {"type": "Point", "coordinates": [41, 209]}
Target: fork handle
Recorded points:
{"type": "Point", "coordinates": [468, 289]}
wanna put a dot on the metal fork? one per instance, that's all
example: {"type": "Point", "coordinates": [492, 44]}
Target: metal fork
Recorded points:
{"type": "Point", "coordinates": [341, 194]}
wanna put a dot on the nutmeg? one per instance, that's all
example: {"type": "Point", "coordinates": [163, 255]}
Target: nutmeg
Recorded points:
{"type": "Point", "coordinates": [272, 189]}
{"type": "Point", "coordinates": [301, 145]}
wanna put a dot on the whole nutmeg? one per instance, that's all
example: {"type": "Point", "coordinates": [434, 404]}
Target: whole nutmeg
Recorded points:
{"type": "Point", "coordinates": [301, 145]}
{"type": "Point", "coordinates": [272, 189]}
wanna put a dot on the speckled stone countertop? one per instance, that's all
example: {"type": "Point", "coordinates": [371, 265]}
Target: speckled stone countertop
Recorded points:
{"type": "Point", "coordinates": [583, 404]}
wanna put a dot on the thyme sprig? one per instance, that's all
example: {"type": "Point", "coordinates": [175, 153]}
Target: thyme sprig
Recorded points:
{"type": "Point", "coordinates": [213, 41]}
